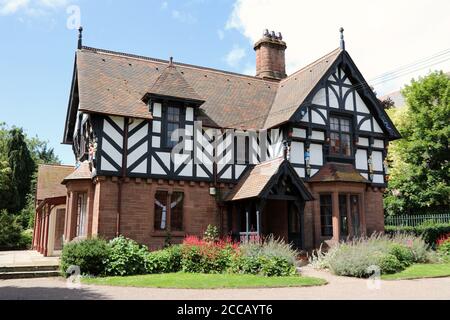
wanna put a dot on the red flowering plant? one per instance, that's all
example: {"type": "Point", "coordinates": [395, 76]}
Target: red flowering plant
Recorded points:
{"type": "Point", "coordinates": [443, 245]}
{"type": "Point", "coordinates": [202, 256]}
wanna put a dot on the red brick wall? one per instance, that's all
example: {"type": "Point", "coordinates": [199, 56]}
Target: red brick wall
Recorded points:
{"type": "Point", "coordinates": [374, 210]}
{"type": "Point", "coordinates": [137, 217]}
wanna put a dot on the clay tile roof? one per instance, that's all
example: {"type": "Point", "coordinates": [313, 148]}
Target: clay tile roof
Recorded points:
{"type": "Point", "coordinates": [293, 90]}
{"type": "Point", "coordinates": [172, 83]}
{"type": "Point", "coordinates": [83, 172]}
{"type": "Point", "coordinates": [253, 182]}
{"type": "Point", "coordinates": [338, 172]}
{"type": "Point", "coordinates": [49, 181]}
{"type": "Point", "coordinates": [114, 83]}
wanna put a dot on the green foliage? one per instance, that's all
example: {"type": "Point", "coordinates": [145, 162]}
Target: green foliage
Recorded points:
{"type": "Point", "coordinates": [211, 234]}
{"type": "Point", "coordinates": [269, 266]}
{"type": "Point", "coordinates": [444, 248]}
{"type": "Point", "coordinates": [403, 254]}
{"type": "Point", "coordinates": [26, 239]}
{"type": "Point", "coordinates": [419, 166]}
{"type": "Point", "coordinates": [429, 231]}
{"type": "Point", "coordinates": [22, 167]}
{"type": "Point", "coordinates": [90, 255]}
{"type": "Point", "coordinates": [390, 254]}
{"type": "Point", "coordinates": [126, 257]}
{"type": "Point", "coordinates": [389, 264]}
{"type": "Point", "coordinates": [164, 261]}
{"type": "Point", "coordinates": [19, 157]}
{"type": "Point", "coordinates": [10, 231]}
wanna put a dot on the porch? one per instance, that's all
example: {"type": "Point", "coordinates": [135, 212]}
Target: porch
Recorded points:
{"type": "Point", "coordinates": [269, 199]}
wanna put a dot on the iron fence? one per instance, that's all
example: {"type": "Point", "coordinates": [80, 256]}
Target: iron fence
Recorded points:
{"type": "Point", "coordinates": [416, 220]}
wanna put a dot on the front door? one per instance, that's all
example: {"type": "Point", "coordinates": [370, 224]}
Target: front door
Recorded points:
{"type": "Point", "coordinates": [294, 227]}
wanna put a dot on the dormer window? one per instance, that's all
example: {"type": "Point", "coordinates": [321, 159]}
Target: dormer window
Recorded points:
{"type": "Point", "coordinates": [340, 137]}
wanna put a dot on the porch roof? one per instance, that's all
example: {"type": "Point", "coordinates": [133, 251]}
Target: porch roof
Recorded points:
{"type": "Point", "coordinates": [83, 172]}
{"type": "Point", "coordinates": [338, 172]}
{"type": "Point", "coordinates": [259, 180]}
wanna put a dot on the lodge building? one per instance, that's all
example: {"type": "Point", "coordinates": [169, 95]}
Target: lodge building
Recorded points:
{"type": "Point", "coordinates": [311, 167]}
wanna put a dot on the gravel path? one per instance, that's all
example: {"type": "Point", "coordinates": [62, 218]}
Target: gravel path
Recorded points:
{"type": "Point", "coordinates": [338, 288]}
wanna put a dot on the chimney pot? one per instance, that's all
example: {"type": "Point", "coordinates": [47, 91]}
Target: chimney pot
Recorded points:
{"type": "Point", "coordinates": [270, 56]}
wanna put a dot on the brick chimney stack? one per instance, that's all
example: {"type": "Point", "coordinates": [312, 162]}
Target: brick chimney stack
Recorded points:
{"type": "Point", "coordinates": [270, 58]}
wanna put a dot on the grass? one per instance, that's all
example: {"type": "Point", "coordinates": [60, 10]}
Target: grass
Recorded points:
{"type": "Point", "coordinates": [205, 281]}
{"type": "Point", "coordinates": [420, 271]}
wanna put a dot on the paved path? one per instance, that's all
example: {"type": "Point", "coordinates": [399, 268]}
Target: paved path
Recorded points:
{"type": "Point", "coordinates": [25, 258]}
{"type": "Point", "coordinates": [338, 288]}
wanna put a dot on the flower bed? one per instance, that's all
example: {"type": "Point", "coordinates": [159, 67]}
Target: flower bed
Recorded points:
{"type": "Point", "coordinates": [208, 255]}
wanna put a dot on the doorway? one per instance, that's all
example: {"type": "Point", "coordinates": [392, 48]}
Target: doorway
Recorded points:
{"type": "Point", "coordinates": [294, 226]}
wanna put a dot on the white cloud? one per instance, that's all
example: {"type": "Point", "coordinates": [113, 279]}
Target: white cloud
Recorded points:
{"type": "Point", "coordinates": [29, 7]}
{"type": "Point", "coordinates": [12, 6]}
{"type": "Point", "coordinates": [380, 35]}
{"type": "Point", "coordinates": [235, 56]}
{"type": "Point", "coordinates": [164, 5]}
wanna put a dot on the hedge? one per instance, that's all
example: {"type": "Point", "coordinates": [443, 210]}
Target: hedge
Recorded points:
{"type": "Point", "coordinates": [430, 232]}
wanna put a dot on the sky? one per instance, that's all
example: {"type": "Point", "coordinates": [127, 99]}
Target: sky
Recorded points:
{"type": "Point", "coordinates": [39, 38]}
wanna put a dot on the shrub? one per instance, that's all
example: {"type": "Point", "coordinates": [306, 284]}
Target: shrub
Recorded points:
{"type": "Point", "coordinates": [429, 231]}
{"type": "Point", "coordinates": [391, 254]}
{"type": "Point", "coordinates": [26, 239]}
{"type": "Point", "coordinates": [389, 263]}
{"type": "Point", "coordinates": [269, 257]}
{"type": "Point", "coordinates": [126, 257]}
{"type": "Point", "coordinates": [89, 255]}
{"type": "Point", "coordinates": [164, 261]}
{"type": "Point", "coordinates": [200, 256]}
{"type": "Point", "coordinates": [10, 231]}
{"type": "Point", "coordinates": [270, 247]}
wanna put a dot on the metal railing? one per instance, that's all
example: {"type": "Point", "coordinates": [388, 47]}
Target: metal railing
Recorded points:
{"type": "Point", "coordinates": [416, 220]}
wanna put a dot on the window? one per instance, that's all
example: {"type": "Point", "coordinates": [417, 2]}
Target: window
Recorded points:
{"type": "Point", "coordinates": [326, 215]}
{"type": "Point", "coordinates": [340, 137]}
{"type": "Point", "coordinates": [160, 222]}
{"type": "Point", "coordinates": [173, 120]}
{"type": "Point", "coordinates": [176, 211]}
{"type": "Point", "coordinates": [165, 214]}
{"type": "Point", "coordinates": [343, 215]}
{"type": "Point", "coordinates": [81, 214]}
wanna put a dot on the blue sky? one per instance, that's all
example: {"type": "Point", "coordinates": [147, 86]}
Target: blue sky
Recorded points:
{"type": "Point", "coordinates": [36, 60]}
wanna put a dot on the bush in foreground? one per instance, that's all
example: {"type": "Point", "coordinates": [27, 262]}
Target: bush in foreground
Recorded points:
{"type": "Point", "coordinates": [126, 257]}
{"type": "Point", "coordinates": [390, 254]}
{"type": "Point", "coordinates": [90, 255]}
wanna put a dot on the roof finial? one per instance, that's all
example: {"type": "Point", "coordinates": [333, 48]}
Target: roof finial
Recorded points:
{"type": "Point", "coordinates": [341, 30]}
{"type": "Point", "coordinates": [80, 37]}
{"type": "Point", "coordinates": [171, 62]}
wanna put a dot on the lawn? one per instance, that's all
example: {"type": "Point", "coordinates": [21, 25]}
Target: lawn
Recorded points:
{"type": "Point", "coordinates": [205, 281]}
{"type": "Point", "coordinates": [418, 271]}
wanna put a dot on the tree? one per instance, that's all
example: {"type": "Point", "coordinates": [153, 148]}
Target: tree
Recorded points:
{"type": "Point", "coordinates": [419, 163]}
{"type": "Point", "coordinates": [22, 166]}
